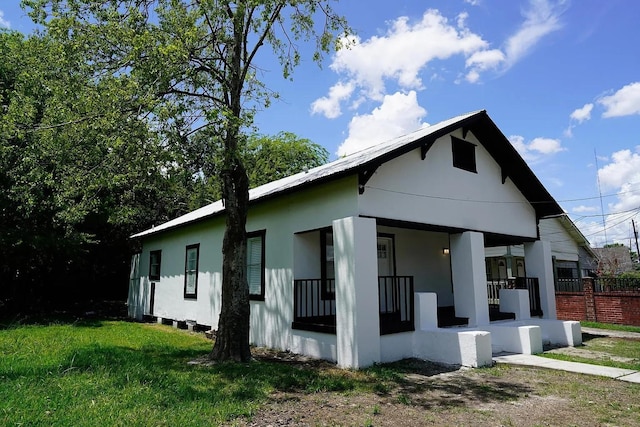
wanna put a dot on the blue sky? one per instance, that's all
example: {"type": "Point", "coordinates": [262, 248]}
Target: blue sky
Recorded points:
{"type": "Point", "coordinates": [560, 78]}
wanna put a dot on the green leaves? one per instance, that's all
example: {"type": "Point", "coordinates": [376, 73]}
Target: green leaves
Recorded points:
{"type": "Point", "coordinates": [80, 166]}
{"type": "Point", "coordinates": [270, 158]}
{"type": "Point", "coordinates": [125, 113]}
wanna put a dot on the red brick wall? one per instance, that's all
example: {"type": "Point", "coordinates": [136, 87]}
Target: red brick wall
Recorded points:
{"type": "Point", "coordinates": [621, 308]}
{"type": "Point", "coordinates": [571, 306]}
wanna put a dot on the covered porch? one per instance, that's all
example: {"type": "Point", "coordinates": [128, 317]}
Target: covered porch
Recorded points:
{"type": "Point", "coordinates": [364, 280]}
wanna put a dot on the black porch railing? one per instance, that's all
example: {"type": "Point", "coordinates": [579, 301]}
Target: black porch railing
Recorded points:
{"type": "Point", "coordinates": [314, 305]}
{"type": "Point", "coordinates": [395, 298]}
{"type": "Point", "coordinates": [529, 283]}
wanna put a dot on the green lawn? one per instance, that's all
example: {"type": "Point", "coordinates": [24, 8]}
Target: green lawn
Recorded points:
{"type": "Point", "coordinates": [610, 326]}
{"type": "Point", "coordinates": [606, 351]}
{"type": "Point", "coordinates": [110, 373]}
{"type": "Point", "coordinates": [120, 373]}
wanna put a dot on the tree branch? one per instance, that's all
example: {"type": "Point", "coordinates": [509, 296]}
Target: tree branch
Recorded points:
{"type": "Point", "coordinates": [272, 19]}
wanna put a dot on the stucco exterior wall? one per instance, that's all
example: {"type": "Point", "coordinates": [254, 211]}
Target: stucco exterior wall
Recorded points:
{"type": "Point", "coordinates": [563, 246]}
{"type": "Point", "coordinates": [169, 290]}
{"type": "Point", "coordinates": [432, 191]}
{"type": "Point", "coordinates": [419, 254]}
{"type": "Point", "coordinates": [281, 218]}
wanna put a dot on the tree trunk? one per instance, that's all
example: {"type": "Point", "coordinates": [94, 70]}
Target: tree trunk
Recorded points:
{"type": "Point", "coordinates": [232, 339]}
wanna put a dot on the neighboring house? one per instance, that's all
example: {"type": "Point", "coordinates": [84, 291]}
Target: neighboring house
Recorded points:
{"type": "Point", "coordinates": [573, 257]}
{"type": "Point", "coordinates": [364, 259]}
{"type": "Point", "coordinates": [613, 260]}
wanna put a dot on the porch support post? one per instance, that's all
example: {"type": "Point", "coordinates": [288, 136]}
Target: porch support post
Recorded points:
{"type": "Point", "coordinates": [356, 272]}
{"type": "Point", "coordinates": [540, 264]}
{"type": "Point", "coordinates": [469, 276]}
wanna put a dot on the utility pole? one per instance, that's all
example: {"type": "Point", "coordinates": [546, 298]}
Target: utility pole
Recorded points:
{"type": "Point", "coordinates": [635, 234]}
{"type": "Point", "coordinates": [604, 224]}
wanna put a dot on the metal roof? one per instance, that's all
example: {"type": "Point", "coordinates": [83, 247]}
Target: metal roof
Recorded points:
{"type": "Point", "coordinates": [478, 122]}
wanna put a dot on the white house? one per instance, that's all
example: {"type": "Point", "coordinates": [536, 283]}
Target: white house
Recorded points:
{"type": "Point", "coordinates": [375, 257]}
{"type": "Point", "coordinates": [573, 257]}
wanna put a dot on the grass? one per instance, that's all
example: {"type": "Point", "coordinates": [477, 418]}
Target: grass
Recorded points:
{"type": "Point", "coordinates": [608, 351]}
{"type": "Point", "coordinates": [610, 326]}
{"type": "Point", "coordinates": [120, 373]}
{"type": "Point", "coordinates": [602, 362]}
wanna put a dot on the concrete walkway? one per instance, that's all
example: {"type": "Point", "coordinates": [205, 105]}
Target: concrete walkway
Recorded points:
{"type": "Point", "coordinates": [561, 365]}
{"type": "Point", "coordinates": [581, 368]}
{"type": "Point", "coordinates": [610, 333]}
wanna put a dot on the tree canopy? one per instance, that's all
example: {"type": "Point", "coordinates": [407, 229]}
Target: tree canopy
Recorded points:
{"type": "Point", "coordinates": [172, 87]}
{"type": "Point", "coordinates": [78, 173]}
{"type": "Point", "coordinates": [268, 158]}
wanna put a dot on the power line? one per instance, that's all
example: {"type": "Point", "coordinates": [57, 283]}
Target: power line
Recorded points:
{"type": "Point", "coordinates": [609, 214]}
{"type": "Point", "coordinates": [505, 202]}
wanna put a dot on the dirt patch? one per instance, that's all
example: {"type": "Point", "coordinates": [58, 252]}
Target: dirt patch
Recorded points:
{"type": "Point", "coordinates": [591, 354]}
{"type": "Point", "coordinates": [439, 395]}
{"type": "Point", "coordinates": [601, 347]}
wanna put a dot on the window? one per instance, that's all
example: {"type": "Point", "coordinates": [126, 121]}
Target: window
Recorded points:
{"type": "Point", "coordinates": [155, 258]}
{"type": "Point", "coordinates": [567, 269]}
{"type": "Point", "coordinates": [382, 251]}
{"type": "Point", "coordinates": [464, 154]}
{"type": "Point", "coordinates": [191, 271]}
{"type": "Point", "coordinates": [327, 263]}
{"type": "Point", "coordinates": [255, 264]}
{"type": "Point", "coordinates": [134, 272]}
{"type": "Point", "coordinates": [386, 260]}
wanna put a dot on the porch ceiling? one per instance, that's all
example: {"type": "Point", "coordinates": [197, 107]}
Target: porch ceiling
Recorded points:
{"type": "Point", "coordinates": [494, 239]}
{"type": "Point", "coordinates": [490, 239]}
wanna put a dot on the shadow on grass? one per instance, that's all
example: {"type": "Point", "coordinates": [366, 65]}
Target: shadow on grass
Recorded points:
{"type": "Point", "coordinates": [586, 336]}
{"type": "Point", "coordinates": [420, 383]}
{"type": "Point", "coordinates": [411, 381]}
{"type": "Point", "coordinates": [162, 370]}
{"type": "Point", "coordinates": [84, 314]}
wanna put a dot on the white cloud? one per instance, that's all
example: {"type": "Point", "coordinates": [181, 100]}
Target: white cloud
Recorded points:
{"type": "Point", "coordinates": [462, 20]}
{"type": "Point", "coordinates": [403, 52]}
{"type": "Point", "coordinates": [568, 132]}
{"type": "Point", "coordinates": [582, 114]}
{"type": "Point", "coordinates": [4, 22]}
{"type": "Point", "coordinates": [482, 61]}
{"type": "Point", "coordinates": [622, 177]}
{"type": "Point", "coordinates": [625, 102]}
{"type": "Point", "coordinates": [541, 18]}
{"type": "Point", "coordinates": [473, 2]}
{"type": "Point", "coordinates": [329, 106]}
{"type": "Point", "coordinates": [537, 148]}
{"type": "Point", "coordinates": [546, 146]}
{"type": "Point", "coordinates": [578, 115]}
{"type": "Point", "coordinates": [398, 115]}
{"type": "Point", "coordinates": [584, 209]}
{"type": "Point", "coordinates": [485, 59]}
{"type": "Point", "coordinates": [624, 168]}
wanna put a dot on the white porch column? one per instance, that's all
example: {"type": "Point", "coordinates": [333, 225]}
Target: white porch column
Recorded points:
{"type": "Point", "coordinates": [357, 312]}
{"type": "Point", "coordinates": [540, 264]}
{"type": "Point", "coordinates": [469, 276]}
